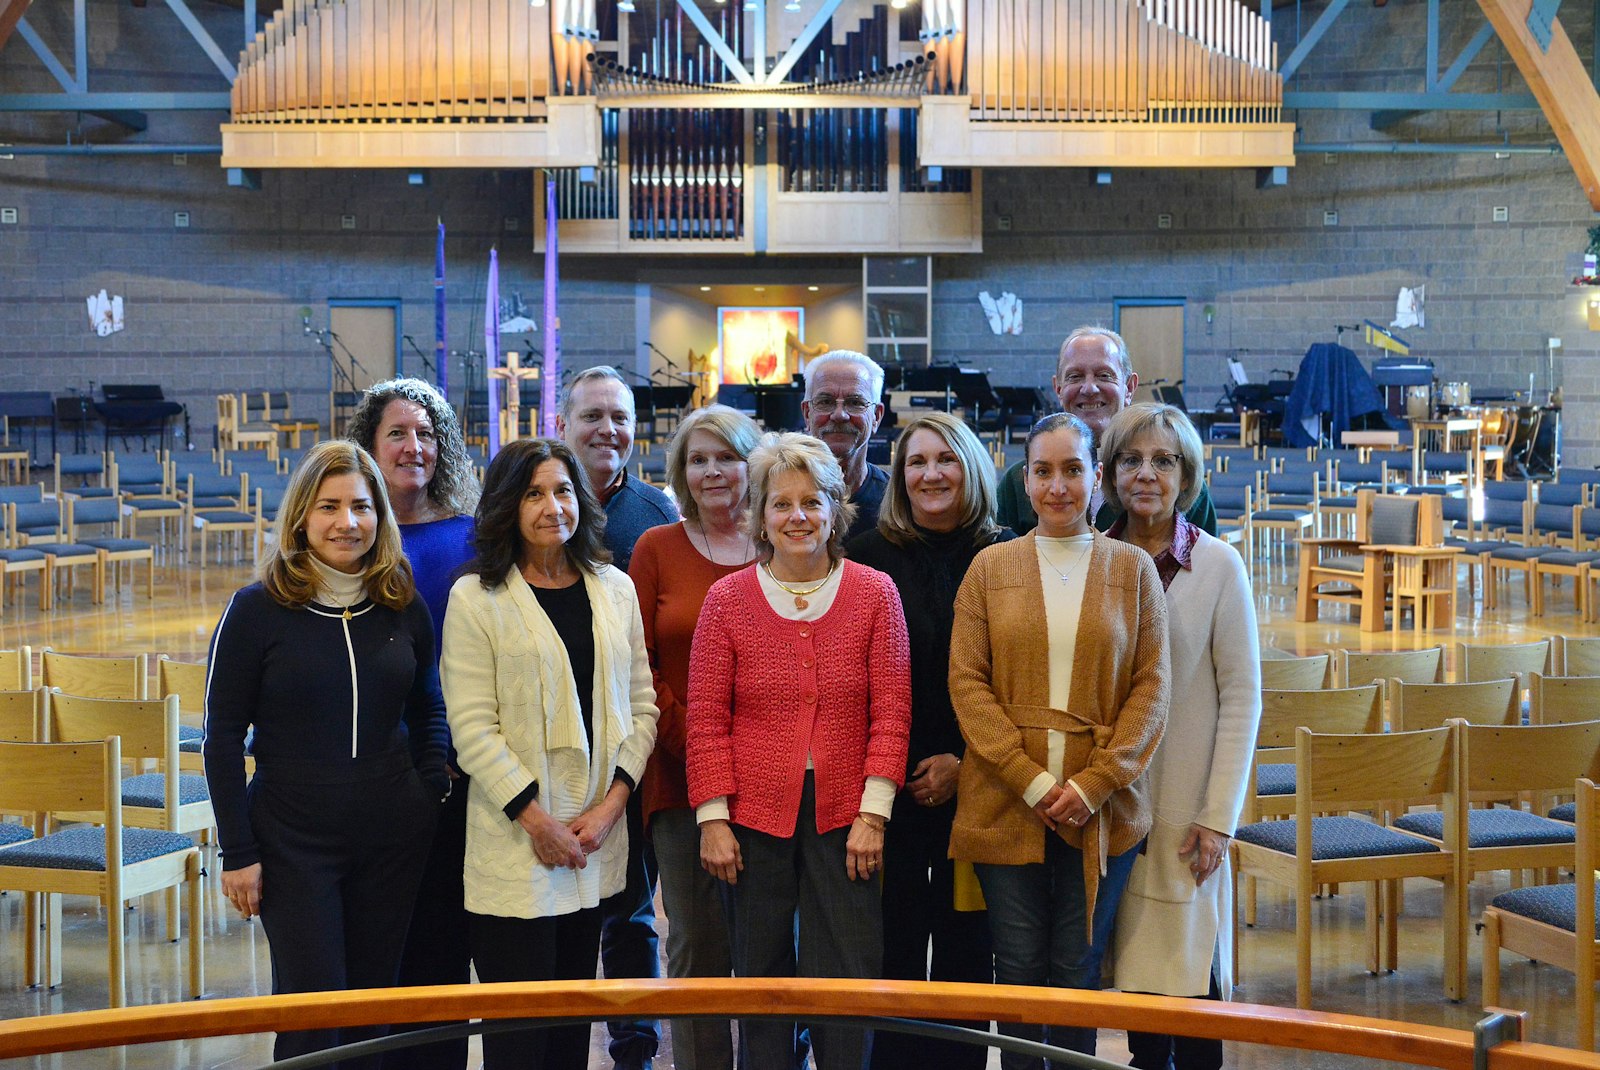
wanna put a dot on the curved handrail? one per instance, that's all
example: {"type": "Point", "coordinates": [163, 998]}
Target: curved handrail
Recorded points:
{"type": "Point", "coordinates": [1416, 1045]}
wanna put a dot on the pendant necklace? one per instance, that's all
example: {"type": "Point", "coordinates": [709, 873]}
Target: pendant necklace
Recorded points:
{"type": "Point", "coordinates": [1065, 576]}
{"type": "Point", "coordinates": [705, 538]}
{"type": "Point", "coordinates": [800, 593]}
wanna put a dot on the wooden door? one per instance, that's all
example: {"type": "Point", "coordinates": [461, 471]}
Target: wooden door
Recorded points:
{"type": "Point", "coordinates": [368, 333]}
{"type": "Point", "coordinates": [1154, 334]}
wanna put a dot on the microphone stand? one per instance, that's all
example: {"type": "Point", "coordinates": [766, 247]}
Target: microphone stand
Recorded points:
{"type": "Point", "coordinates": [427, 364]}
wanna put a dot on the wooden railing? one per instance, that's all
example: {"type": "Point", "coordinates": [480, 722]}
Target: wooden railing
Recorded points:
{"type": "Point", "coordinates": [1401, 1042]}
{"type": "Point", "coordinates": [345, 60]}
{"type": "Point", "coordinates": [1206, 61]}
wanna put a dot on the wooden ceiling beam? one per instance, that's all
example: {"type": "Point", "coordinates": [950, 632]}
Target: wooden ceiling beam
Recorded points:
{"type": "Point", "coordinates": [1561, 85]}
{"type": "Point", "coordinates": [11, 12]}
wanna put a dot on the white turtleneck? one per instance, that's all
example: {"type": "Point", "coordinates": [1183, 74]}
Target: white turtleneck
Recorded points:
{"type": "Point", "coordinates": [335, 588]}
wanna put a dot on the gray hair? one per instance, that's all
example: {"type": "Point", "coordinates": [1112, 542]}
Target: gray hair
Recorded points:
{"type": "Point", "coordinates": [790, 451]}
{"type": "Point", "coordinates": [589, 375]}
{"type": "Point", "coordinates": [1149, 417]}
{"type": "Point", "coordinates": [1114, 343]}
{"type": "Point", "coordinates": [848, 356]}
{"type": "Point", "coordinates": [454, 486]}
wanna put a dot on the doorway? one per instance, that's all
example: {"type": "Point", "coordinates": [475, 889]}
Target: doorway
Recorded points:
{"type": "Point", "coordinates": [366, 343]}
{"type": "Point", "coordinates": [1153, 329]}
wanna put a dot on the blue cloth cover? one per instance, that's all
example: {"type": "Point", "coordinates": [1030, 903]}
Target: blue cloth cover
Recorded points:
{"type": "Point", "coordinates": [1334, 837]}
{"type": "Point", "coordinates": [1492, 828]}
{"type": "Point", "coordinates": [1331, 380]}
{"type": "Point", "coordinates": [84, 847]}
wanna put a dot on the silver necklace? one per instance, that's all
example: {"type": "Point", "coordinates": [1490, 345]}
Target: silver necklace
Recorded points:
{"type": "Point", "coordinates": [1065, 576]}
{"type": "Point", "coordinates": [710, 554]}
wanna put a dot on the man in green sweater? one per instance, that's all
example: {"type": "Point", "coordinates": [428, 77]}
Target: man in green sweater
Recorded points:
{"type": "Point", "coordinates": [1094, 381]}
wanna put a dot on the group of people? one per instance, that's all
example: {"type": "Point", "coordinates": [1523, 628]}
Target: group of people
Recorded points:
{"type": "Point", "coordinates": [803, 690]}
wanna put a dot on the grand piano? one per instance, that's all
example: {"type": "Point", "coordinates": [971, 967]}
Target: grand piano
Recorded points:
{"type": "Point", "coordinates": [136, 409]}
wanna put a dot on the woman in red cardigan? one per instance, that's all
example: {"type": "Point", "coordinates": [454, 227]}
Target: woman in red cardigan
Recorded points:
{"type": "Point", "coordinates": [799, 715]}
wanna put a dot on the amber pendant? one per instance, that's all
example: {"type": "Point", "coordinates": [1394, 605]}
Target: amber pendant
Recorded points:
{"type": "Point", "coordinates": [346, 613]}
{"type": "Point", "coordinates": [800, 603]}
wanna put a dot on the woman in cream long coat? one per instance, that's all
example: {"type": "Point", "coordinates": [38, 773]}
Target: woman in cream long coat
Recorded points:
{"type": "Point", "coordinates": [552, 708]}
{"type": "Point", "coordinates": [1174, 931]}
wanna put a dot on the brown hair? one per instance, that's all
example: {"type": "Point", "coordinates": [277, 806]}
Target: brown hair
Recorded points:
{"type": "Point", "coordinates": [288, 575]}
{"type": "Point", "coordinates": [499, 536]}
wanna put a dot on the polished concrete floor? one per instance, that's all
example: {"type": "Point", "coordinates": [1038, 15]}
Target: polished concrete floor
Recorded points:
{"type": "Point", "coordinates": [179, 622]}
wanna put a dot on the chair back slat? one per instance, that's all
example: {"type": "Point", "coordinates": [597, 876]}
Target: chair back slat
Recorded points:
{"type": "Point", "coordinates": [1421, 706]}
{"type": "Point", "coordinates": [75, 674]}
{"type": "Point", "coordinates": [1476, 662]}
{"type": "Point", "coordinates": [61, 777]}
{"type": "Point", "coordinates": [1352, 772]}
{"type": "Point", "coordinates": [1506, 759]}
{"type": "Point", "coordinates": [1294, 674]}
{"type": "Point", "coordinates": [1579, 656]}
{"type": "Point", "coordinates": [1563, 699]}
{"type": "Point", "coordinates": [16, 669]}
{"type": "Point", "coordinates": [1425, 666]}
{"type": "Point", "coordinates": [148, 727]}
{"type": "Point", "coordinates": [1341, 710]}
{"type": "Point", "coordinates": [19, 716]}
{"type": "Point", "coordinates": [185, 679]}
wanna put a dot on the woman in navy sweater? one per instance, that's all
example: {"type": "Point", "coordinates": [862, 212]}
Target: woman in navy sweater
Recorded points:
{"type": "Point", "coordinates": [325, 657]}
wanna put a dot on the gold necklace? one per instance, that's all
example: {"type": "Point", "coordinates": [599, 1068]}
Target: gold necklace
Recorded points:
{"type": "Point", "coordinates": [799, 594]}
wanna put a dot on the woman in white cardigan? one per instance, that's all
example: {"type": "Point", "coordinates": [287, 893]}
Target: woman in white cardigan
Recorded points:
{"type": "Point", "coordinates": [1174, 931]}
{"type": "Point", "coordinates": [553, 713]}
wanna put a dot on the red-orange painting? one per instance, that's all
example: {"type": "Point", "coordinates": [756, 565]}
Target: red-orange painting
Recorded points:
{"type": "Point", "coordinates": [751, 343]}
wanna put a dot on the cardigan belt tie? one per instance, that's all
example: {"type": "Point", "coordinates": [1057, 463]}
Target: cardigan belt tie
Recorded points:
{"type": "Point", "coordinates": [1096, 841]}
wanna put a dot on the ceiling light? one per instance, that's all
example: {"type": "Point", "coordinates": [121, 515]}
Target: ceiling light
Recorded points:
{"type": "Point", "coordinates": [761, 289]}
{"type": "Point", "coordinates": [705, 289]}
{"type": "Point", "coordinates": [792, 5]}
{"type": "Point", "coordinates": [813, 289]}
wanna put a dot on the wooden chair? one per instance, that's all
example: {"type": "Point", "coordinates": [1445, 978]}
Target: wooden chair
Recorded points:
{"type": "Point", "coordinates": [145, 485]}
{"type": "Point", "coordinates": [1499, 760]}
{"type": "Point", "coordinates": [1387, 526]}
{"type": "Point", "coordinates": [187, 680]}
{"type": "Point", "coordinates": [16, 669]}
{"type": "Point", "coordinates": [224, 522]}
{"type": "Point", "coordinates": [1294, 674]}
{"type": "Point", "coordinates": [19, 717]}
{"type": "Point", "coordinates": [1576, 563]}
{"type": "Point", "coordinates": [1539, 522]}
{"type": "Point", "coordinates": [112, 863]}
{"type": "Point", "coordinates": [94, 677]}
{"type": "Point", "coordinates": [277, 414]}
{"type": "Point", "coordinates": [1339, 773]}
{"type": "Point", "coordinates": [234, 433]}
{"type": "Point", "coordinates": [1576, 655]}
{"type": "Point", "coordinates": [1553, 923]}
{"type": "Point", "coordinates": [1288, 507]}
{"type": "Point", "coordinates": [113, 548]}
{"type": "Point", "coordinates": [1495, 661]}
{"type": "Point", "coordinates": [41, 527]}
{"type": "Point", "coordinates": [21, 722]}
{"type": "Point", "coordinates": [15, 459]}
{"type": "Point", "coordinates": [83, 475]}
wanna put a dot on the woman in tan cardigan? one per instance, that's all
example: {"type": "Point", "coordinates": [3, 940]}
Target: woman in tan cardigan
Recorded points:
{"type": "Point", "coordinates": [1051, 806]}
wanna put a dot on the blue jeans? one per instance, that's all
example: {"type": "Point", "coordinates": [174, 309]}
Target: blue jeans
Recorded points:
{"type": "Point", "coordinates": [1037, 923]}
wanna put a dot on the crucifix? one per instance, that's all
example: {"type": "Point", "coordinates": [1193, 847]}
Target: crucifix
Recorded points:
{"type": "Point", "coordinates": [513, 373]}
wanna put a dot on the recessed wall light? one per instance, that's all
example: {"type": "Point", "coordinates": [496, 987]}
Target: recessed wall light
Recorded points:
{"type": "Point", "coordinates": [761, 289]}
{"type": "Point", "coordinates": [705, 289]}
{"type": "Point", "coordinates": [180, 219]}
{"type": "Point", "coordinates": [813, 289]}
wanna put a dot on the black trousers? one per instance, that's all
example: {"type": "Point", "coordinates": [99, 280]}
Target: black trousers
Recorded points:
{"type": "Point", "coordinates": [437, 950]}
{"type": "Point", "coordinates": [628, 943]}
{"type": "Point", "coordinates": [1158, 1051]}
{"type": "Point", "coordinates": [919, 897]}
{"type": "Point", "coordinates": [562, 948]}
{"type": "Point", "coordinates": [342, 851]}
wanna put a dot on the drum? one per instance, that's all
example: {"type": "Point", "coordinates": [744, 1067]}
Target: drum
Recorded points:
{"type": "Point", "coordinates": [1419, 402]}
{"type": "Point", "coordinates": [1454, 395]}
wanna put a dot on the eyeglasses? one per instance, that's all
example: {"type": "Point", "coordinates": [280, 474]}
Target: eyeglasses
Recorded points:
{"type": "Point", "coordinates": [1163, 464]}
{"type": "Point", "coordinates": [854, 405]}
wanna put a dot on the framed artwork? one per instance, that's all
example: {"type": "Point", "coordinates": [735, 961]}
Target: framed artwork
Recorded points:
{"type": "Point", "coordinates": [753, 344]}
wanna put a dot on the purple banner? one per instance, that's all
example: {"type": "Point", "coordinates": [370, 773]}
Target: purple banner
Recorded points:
{"type": "Point", "coordinates": [491, 349]}
{"type": "Point", "coordinates": [441, 359]}
{"type": "Point", "coordinates": [550, 374]}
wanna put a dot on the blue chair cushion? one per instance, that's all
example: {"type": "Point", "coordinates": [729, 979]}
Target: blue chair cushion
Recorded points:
{"type": "Point", "coordinates": [1521, 553]}
{"type": "Point", "coordinates": [118, 546]}
{"type": "Point", "coordinates": [1280, 514]}
{"type": "Point", "coordinates": [156, 505]}
{"type": "Point", "coordinates": [187, 733]}
{"type": "Point", "coordinates": [1478, 546]}
{"type": "Point", "coordinates": [22, 554]}
{"type": "Point", "coordinates": [191, 746]}
{"type": "Point", "coordinates": [65, 549]}
{"type": "Point", "coordinates": [84, 848]}
{"type": "Point", "coordinates": [1335, 837]}
{"type": "Point", "coordinates": [1275, 779]}
{"type": "Point", "coordinates": [90, 492]}
{"type": "Point", "coordinates": [1569, 558]}
{"type": "Point", "coordinates": [148, 788]}
{"type": "Point", "coordinates": [226, 516]}
{"type": "Point", "coordinates": [1552, 904]}
{"type": "Point", "coordinates": [1339, 502]}
{"type": "Point", "coordinates": [12, 833]}
{"type": "Point", "coordinates": [1492, 828]}
{"type": "Point", "coordinates": [214, 503]}
{"type": "Point", "coordinates": [1565, 812]}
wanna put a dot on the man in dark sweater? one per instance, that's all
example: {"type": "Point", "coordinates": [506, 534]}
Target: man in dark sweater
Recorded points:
{"type": "Point", "coordinates": [1094, 381]}
{"type": "Point", "coordinates": [596, 421]}
{"type": "Point", "coordinates": [843, 407]}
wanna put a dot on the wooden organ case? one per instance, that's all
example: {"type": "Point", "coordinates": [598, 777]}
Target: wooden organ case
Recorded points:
{"type": "Point", "coordinates": [692, 126]}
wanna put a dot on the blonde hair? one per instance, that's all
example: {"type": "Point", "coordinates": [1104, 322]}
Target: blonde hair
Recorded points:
{"type": "Point", "coordinates": [288, 574]}
{"type": "Point", "coordinates": [790, 451]}
{"type": "Point", "coordinates": [736, 430]}
{"type": "Point", "coordinates": [895, 519]}
{"type": "Point", "coordinates": [1148, 417]}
